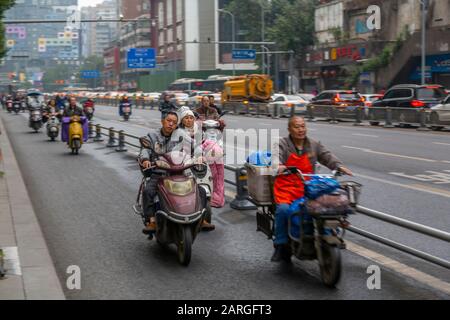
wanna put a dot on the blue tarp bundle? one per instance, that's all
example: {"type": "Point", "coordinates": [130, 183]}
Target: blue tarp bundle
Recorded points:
{"type": "Point", "coordinates": [260, 158]}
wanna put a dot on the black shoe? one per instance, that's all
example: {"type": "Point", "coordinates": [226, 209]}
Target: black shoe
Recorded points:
{"type": "Point", "coordinates": [278, 254]}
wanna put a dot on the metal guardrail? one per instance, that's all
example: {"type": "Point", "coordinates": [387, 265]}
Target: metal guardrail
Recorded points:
{"type": "Point", "coordinates": [241, 202]}
{"type": "Point", "coordinates": [422, 118]}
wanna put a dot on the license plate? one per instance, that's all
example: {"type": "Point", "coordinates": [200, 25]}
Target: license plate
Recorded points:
{"type": "Point", "coordinates": [126, 109]}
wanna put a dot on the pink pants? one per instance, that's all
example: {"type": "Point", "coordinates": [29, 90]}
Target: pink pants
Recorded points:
{"type": "Point", "coordinates": [214, 157]}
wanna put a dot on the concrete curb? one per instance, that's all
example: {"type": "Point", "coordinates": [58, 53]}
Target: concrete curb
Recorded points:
{"type": "Point", "coordinates": [39, 278]}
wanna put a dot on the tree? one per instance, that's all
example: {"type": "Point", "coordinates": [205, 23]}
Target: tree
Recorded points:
{"type": "Point", "coordinates": [56, 73]}
{"type": "Point", "coordinates": [92, 63]}
{"type": "Point", "coordinates": [289, 23]}
{"type": "Point", "coordinates": [4, 5]}
{"type": "Point", "coordinates": [293, 25]}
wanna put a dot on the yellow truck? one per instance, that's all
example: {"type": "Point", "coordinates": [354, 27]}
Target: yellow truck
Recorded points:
{"type": "Point", "coordinates": [250, 88]}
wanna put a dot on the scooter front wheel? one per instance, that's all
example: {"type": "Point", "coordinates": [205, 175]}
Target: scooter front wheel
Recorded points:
{"type": "Point", "coordinates": [185, 245]}
{"type": "Point", "coordinates": [330, 268]}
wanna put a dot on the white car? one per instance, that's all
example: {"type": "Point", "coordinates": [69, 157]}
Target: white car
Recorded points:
{"type": "Point", "coordinates": [440, 115]}
{"type": "Point", "coordinates": [286, 102]}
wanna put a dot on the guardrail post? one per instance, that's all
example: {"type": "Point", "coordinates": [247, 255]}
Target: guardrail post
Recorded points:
{"type": "Point", "coordinates": [333, 115]}
{"type": "Point", "coordinates": [292, 111]}
{"type": "Point", "coordinates": [388, 122]}
{"type": "Point", "coordinates": [91, 130]}
{"type": "Point", "coordinates": [258, 111]}
{"type": "Point", "coordinates": [423, 120]}
{"type": "Point", "coordinates": [98, 137]}
{"type": "Point", "coordinates": [121, 147]}
{"type": "Point", "coordinates": [276, 111]}
{"type": "Point", "coordinates": [112, 139]}
{"type": "Point", "coordinates": [310, 112]}
{"type": "Point", "coordinates": [358, 121]}
{"type": "Point", "coordinates": [241, 201]}
{"type": "Point", "coordinates": [2, 270]}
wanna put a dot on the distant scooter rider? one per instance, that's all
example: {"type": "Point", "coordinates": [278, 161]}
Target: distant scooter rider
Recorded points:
{"type": "Point", "coordinates": [167, 105]}
{"type": "Point", "coordinates": [162, 142]}
{"type": "Point", "coordinates": [89, 103]}
{"type": "Point", "coordinates": [123, 102]}
{"type": "Point", "coordinates": [73, 109]}
{"type": "Point", "coordinates": [49, 109]}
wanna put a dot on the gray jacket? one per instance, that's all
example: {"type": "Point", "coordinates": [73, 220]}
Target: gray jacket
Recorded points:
{"type": "Point", "coordinates": [316, 152]}
{"type": "Point", "coordinates": [160, 143]}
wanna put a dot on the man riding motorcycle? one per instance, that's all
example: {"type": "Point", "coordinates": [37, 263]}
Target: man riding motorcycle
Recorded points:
{"type": "Point", "coordinates": [296, 150]}
{"type": "Point", "coordinates": [73, 109]}
{"type": "Point", "coordinates": [166, 105]}
{"type": "Point", "coordinates": [162, 143]}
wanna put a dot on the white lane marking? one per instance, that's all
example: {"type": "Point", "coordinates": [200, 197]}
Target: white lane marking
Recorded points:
{"type": "Point", "coordinates": [390, 154]}
{"type": "Point", "coordinates": [416, 187]}
{"type": "Point", "coordinates": [11, 261]}
{"type": "Point", "coordinates": [442, 143]}
{"type": "Point", "coordinates": [365, 135]}
{"type": "Point", "coordinates": [389, 263]}
{"type": "Point", "coordinates": [399, 267]}
{"type": "Point", "coordinates": [435, 177]}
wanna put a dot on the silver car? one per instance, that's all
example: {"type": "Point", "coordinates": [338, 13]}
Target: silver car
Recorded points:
{"type": "Point", "coordinates": [440, 115]}
{"type": "Point", "coordinates": [286, 102]}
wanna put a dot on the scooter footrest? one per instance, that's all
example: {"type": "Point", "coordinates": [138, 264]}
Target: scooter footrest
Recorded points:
{"type": "Point", "coordinates": [138, 209]}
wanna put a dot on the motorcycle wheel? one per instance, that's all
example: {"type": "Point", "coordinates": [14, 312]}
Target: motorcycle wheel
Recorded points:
{"type": "Point", "coordinates": [126, 117]}
{"type": "Point", "coordinates": [76, 146]}
{"type": "Point", "coordinates": [52, 138]}
{"type": "Point", "coordinates": [330, 271]}
{"type": "Point", "coordinates": [184, 246]}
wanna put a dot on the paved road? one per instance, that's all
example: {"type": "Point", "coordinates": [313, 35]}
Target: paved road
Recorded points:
{"type": "Point", "coordinates": [84, 206]}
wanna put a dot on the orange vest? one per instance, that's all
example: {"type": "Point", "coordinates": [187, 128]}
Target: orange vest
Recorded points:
{"type": "Point", "coordinates": [289, 188]}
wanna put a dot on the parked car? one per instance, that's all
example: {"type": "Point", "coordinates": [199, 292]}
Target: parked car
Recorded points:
{"type": "Point", "coordinates": [286, 102]}
{"type": "Point", "coordinates": [405, 98]}
{"type": "Point", "coordinates": [440, 115]}
{"type": "Point", "coordinates": [370, 98]}
{"type": "Point", "coordinates": [342, 99]}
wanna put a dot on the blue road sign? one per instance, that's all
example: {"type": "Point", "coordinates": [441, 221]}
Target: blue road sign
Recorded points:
{"type": "Point", "coordinates": [141, 58]}
{"type": "Point", "coordinates": [90, 74]}
{"type": "Point", "coordinates": [244, 54]}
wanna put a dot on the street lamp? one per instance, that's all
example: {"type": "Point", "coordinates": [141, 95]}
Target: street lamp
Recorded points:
{"type": "Point", "coordinates": [424, 7]}
{"type": "Point", "coordinates": [233, 34]}
{"type": "Point", "coordinates": [263, 36]}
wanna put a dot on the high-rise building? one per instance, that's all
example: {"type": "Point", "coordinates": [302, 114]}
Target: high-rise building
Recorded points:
{"type": "Point", "coordinates": [97, 36]}
{"type": "Point", "coordinates": [33, 47]}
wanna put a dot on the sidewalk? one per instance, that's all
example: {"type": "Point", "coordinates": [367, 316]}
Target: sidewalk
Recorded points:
{"type": "Point", "coordinates": [30, 273]}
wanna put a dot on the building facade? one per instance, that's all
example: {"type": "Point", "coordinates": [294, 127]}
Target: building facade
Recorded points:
{"type": "Point", "coordinates": [350, 32]}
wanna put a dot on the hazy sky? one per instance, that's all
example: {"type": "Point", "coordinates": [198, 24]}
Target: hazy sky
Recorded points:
{"type": "Point", "coordinates": [88, 3]}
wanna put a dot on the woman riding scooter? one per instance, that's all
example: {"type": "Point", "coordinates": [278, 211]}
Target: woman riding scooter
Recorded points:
{"type": "Point", "coordinates": [214, 153]}
{"type": "Point", "coordinates": [191, 133]}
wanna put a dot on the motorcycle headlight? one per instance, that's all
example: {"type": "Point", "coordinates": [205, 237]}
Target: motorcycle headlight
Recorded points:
{"type": "Point", "coordinates": [179, 188]}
